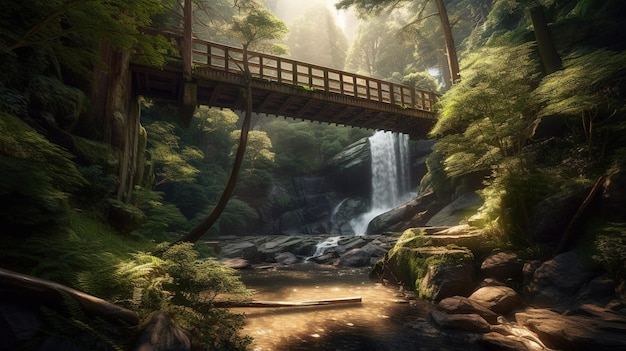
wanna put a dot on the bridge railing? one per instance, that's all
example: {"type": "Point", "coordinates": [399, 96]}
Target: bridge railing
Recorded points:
{"type": "Point", "coordinates": [283, 70]}
{"type": "Point", "coordinates": [308, 76]}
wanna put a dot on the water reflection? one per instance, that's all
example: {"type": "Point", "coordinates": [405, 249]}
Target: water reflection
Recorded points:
{"type": "Point", "coordinates": [385, 320]}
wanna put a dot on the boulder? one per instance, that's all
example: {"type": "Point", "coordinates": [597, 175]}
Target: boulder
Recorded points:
{"type": "Point", "coordinates": [502, 266]}
{"type": "Point", "coordinates": [499, 299]}
{"type": "Point", "coordinates": [457, 211]}
{"type": "Point", "coordinates": [350, 170]}
{"type": "Point", "coordinates": [245, 249]}
{"type": "Point", "coordinates": [467, 322]}
{"type": "Point", "coordinates": [286, 258]}
{"type": "Point", "coordinates": [550, 217]}
{"type": "Point", "coordinates": [344, 211]}
{"type": "Point", "coordinates": [444, 279]}
{"type": "Point", "coordinates": [459, 235]}
{"type": "Point", "coordinates": [354, 258]}
{"type": "Point", "coordinates": [575, 332]}
{"type": "Point", "coordinates": [557, 281]}
{"type": "Point", "coordinates": [497, 342]}
{"type": "Point", "coordinates": [160, 334]}
{"type": "Point", "coordinates": [123, 217]}
{"type": "Point", "coordinates": [463, 305]}
{"type": "Point", "coordinates": [236, 263]}
{"type": "Point", "coordinates": [411, 214]}
{"type": "Point", "coordinates": [434, 272]}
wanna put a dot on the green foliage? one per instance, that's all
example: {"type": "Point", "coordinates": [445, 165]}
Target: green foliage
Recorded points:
{"type": "Point", "coordinates": [421, 80]}
{"type": "Point", "coordinates": [66, 29]}
{"type": "Point", "coordinates": [186, 287]}
{"type": "Point", "coordinates": [257, 26]}
{"type": "Point", "coordinates": [36, 179]}
{"type": "Point", "coordinates": [173, 161]}
{"type": "Point", "coordinates": [98, 187]}
{"type": "Point", "coordinates": [610, 249]}
{"type": "Point", "coordinates": [587, 92]}
{"type": "Point", "coordinates": [162, 218]}
{"type": "Point", "coordinates": [258, 148]}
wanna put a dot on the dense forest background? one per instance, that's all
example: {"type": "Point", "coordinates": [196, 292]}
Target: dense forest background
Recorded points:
{"type": "Point", "coordinates": [535, 119]}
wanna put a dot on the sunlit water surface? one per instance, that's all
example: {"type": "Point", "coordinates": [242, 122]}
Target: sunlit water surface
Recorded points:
{"type": "Point", "coordinates": [384, 320]}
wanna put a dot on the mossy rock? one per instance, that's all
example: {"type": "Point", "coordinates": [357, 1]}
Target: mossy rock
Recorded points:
{"type": "Point", "coordinates": [124, 217]}
{"type": "Point", "coordinates": [64, 103]}
{"type": "Point", "coordinates": [97, 153]}
{"type": "Point", "coordinates": [433, 272]}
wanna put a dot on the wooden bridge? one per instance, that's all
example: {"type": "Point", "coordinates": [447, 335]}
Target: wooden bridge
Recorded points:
{"type": "Point", "coordinates": [288, 88]}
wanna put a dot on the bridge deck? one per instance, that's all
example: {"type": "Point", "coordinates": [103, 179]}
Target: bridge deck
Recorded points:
{"type": "Point", "coordinates": [289, 88]}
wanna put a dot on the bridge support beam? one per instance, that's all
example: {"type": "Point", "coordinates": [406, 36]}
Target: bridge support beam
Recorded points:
{"type": "Point", "coordinates": [188, 103]}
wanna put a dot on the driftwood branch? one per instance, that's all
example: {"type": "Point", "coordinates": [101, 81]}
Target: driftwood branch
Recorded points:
{"type": "Point", "coordinates": [50, 292]}
{"type": "Point", "coordinates": [342, 300]}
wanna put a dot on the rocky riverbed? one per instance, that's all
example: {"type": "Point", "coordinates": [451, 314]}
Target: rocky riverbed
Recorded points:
{"type": "Point", "coordinates": [491, 300]}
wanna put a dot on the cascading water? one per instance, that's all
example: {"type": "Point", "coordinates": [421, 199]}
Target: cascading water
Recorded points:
{"type": "Point", "coordinates": [390, 176]}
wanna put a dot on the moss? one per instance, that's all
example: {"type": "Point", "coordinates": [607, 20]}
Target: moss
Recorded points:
{"type": "Point", "coordinates": [64, 103]}
{"type": "Point", "coordinates": [95, 152]}
{"type": "Point", "coordinates": [410, 259]}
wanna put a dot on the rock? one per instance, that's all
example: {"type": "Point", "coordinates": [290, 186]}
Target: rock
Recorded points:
{"type": "Point", "coordinates": [461, 235]}
{"type": "Point", "coordinates": [599, 290]}
{"type": "Point", "coordinates": [434, 272]}
{"type": "Point", "coordinates": [468, 322]}
{"type": "Point", "coordinates": [326, 258]}
{"type": "Point", "coordinates": [498, 342]}
{"type": "Point", "coordinates": [350, 170]}
{"type": "Point", "coordinates": [346, 243]}
{"type": "Point", "coordinates": [412, 214]}
{"type": "Point", "coordinates": [574, 332]}
{"type": "Point", "coordinates": [348, 209]}
{"type": "Point", "coordinates": [550, 217]}
{"type": "Point", "coordinates": [236, 263]}
{"type": "Point", "coordinates": [457, 211]}
{"type": "Point", "coordinates": [160, 334]}
{"type": "Point", "coordinates": [463, 305]}
{"type": "Point", "coordinates": [247, 250]}
{"type": "Point", "coordinates": [502, 266]}
{"type": "Point", "coordinates": [443, 279]}
{"type": "Point", "coordinates": [556, 283]}
{"type": "Point", "coordinates": [355, 258]}
{"type": "Point", "coordinates": [124, 218]}
{"type": "Point", "coordinates": [286, 258]}
{"type": "Point", "coordinates": [499, 299]}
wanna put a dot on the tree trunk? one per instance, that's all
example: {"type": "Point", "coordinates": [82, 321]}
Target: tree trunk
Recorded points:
{"type": "Point", "coordinates": [453, 60]}
{"type": "Point", "coordinates": [196, 233]}
{"type": "Point", "coordinates": [549, 57]}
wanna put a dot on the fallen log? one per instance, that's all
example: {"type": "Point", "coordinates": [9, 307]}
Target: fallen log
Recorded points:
{"type": "Point", "coordinates": [47, 291]}
{"type": "Point", "coordinates": [342, 300]}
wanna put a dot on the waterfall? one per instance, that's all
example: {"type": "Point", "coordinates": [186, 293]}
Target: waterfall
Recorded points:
{"type": "Point", "coordinates": [390, 176]}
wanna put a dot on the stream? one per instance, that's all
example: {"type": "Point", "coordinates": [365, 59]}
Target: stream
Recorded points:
{"type": "Point", "coordinates": [384, 320]}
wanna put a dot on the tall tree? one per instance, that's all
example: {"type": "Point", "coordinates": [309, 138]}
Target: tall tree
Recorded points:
{"type": "Point", "coordinates": [316, 38]}
{"type": "Point", "coordinates": [256, 27]}
{"type": "Point", "coordinates": [550, 59]}
{"type": "Point", "coordinates": [375, 6]}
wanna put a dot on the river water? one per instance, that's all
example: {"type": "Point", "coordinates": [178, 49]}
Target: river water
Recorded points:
{"type": "Point", "coordinates": [384, 320]}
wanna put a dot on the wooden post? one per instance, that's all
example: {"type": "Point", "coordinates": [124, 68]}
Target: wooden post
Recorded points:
{"type": "Point", "coordinates": [187, 41]}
